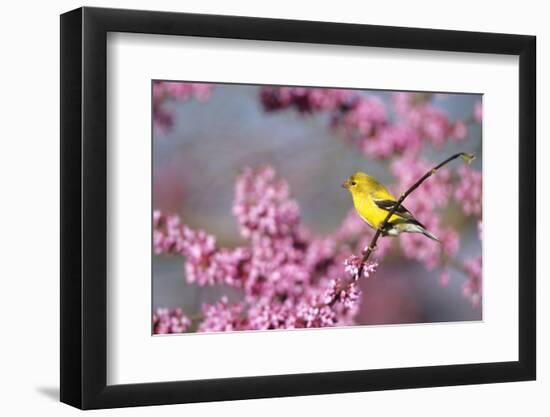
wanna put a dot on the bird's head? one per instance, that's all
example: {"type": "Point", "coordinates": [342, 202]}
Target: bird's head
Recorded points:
{"type": "Point", "coordinates": [358, 182]}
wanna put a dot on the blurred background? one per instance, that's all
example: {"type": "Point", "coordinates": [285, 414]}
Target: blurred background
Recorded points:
{"type": "Point", "coordinates": [197, 159]}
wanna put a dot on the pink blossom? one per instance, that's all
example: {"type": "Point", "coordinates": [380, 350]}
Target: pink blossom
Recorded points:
{"type": "Point", "coordinates": [264, 316]}
{"type": "Point", "coordinates": [164, 91]}
{"type": "Point", "coordinates": [363, 117]}
{"type": "Point", "coordinates": [404, 102]}
{"type": "Point", "coordinates": [276, 271]}
{"type": "Point", "coordinates": [353, 264]}
{"type": "Point", "coordinates": [338, 291]}
{"type": "Point", "coordinates": [459, 130]}
{"type": "Point", "coordinates": [389, 140]}
{"type": "Point", "coordinates": [472, 288]}
{"type": "Point", "coordinates": [320, 253]}
{"type": "Point", "coordinates": [222, 317]}
{"type": "Point", "coordinates": [315, 316]}
{"type": "Point", "coordinates": [478, 111]}
{"type": "Point", "coordinates": [221, 266]}
{"type": "Point", "coordinates": [419, 247]}
{"type": "Point", "coordinates": [427, 251]}
{"type": "Point", "coordinates": [346, 292]}
{"type": "Point", "coordinates": [366, 123]}
{"type": "Point", "coordinates": [304, 100]}
{"type": "Point", "coordinates": [450, 241]}
{"type": "Point", "coordinates": [436, 126]}
{"type": "Point", "coordinates": [167, 320]}
{"type": "Point", "coordinates": [290, 315]}
{"type": "Point", "coordinates": [469, 190]}
{"type": "Point", "coordinates": [284, 257]}
{"type": "Point", "coordinates": [262, 205]}
{"type": "Point", "coordinates": [364, 120]}
{"type": "Point", "coordinates": [431, 123]}
{"type": "Point", "coordinates": [205, 264]}
{"type": "Point", "coordinates": [335, 305]}
{"type": "Point", "coordinates": [167, 233]}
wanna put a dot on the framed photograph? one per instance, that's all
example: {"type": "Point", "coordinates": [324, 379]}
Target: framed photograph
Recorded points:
{"type": "Point", "coordinates": [257, 208]}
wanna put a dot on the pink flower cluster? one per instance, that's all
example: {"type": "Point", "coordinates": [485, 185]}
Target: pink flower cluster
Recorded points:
{"type": "Point", "coordinates": [352, 265]}
{"type": "Point", "coordinates": [478, 112]}
{"type": "Point", "coordinates": [335, 304]}
{"type": "Point", "coordinates": [205, 263]}
{"type": "Point", "coordinates": [472, 288]}
{"type": "Point", "coordinates": [365, 122]}
{"type": "Point", "coordinates": [167, 320]}
{"type": "Point", "coordinates": [262, 205]}
{"type": "Point", "coordinates": [289, 278]}
{"type": "Point", "coordinates": [431, 123]}
{"type": "Point", "coordinates": [303, 99]}
{"type": "Point", "coordinates": [164, 91]}
{"type": "Point", "coordinates": [469, 191]}
{"type": "Point", "coordinates": [222, 317]}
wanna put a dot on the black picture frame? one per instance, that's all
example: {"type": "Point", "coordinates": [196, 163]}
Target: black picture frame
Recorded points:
{"type": "Point", "coordinates": [84, 207]}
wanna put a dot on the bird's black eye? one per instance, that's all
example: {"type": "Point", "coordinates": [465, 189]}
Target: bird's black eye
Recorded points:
{"type": "Point", "coordinates": [353, 183]}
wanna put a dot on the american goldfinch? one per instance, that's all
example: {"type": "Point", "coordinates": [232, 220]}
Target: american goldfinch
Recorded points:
{"type": "Point", "coordinates": [373, 202]}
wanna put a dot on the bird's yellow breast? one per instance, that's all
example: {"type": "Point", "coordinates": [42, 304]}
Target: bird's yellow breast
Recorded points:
{"type": "Point", "coordinates": [369, 211]}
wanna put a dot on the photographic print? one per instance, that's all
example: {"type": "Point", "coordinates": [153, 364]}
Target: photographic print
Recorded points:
{"type": "Point", "coordinates": [291, 207]}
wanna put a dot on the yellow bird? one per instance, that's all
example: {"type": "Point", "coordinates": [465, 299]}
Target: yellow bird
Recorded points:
{"type": "Point", "coordinates": [373, 202]}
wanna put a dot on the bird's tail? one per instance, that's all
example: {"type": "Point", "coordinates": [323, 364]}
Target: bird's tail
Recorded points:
{"type": "Point", "coordinates": [412, 227]}
{"type": "Point", "coordinates": [431, 236]}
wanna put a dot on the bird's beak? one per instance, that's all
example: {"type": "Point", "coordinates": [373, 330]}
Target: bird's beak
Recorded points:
{"type": "Point", "coordinates": [345, 184]}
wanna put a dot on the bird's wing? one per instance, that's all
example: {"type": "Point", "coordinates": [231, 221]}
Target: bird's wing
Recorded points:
{"type": "Point", "coordinates": [400, 212]}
